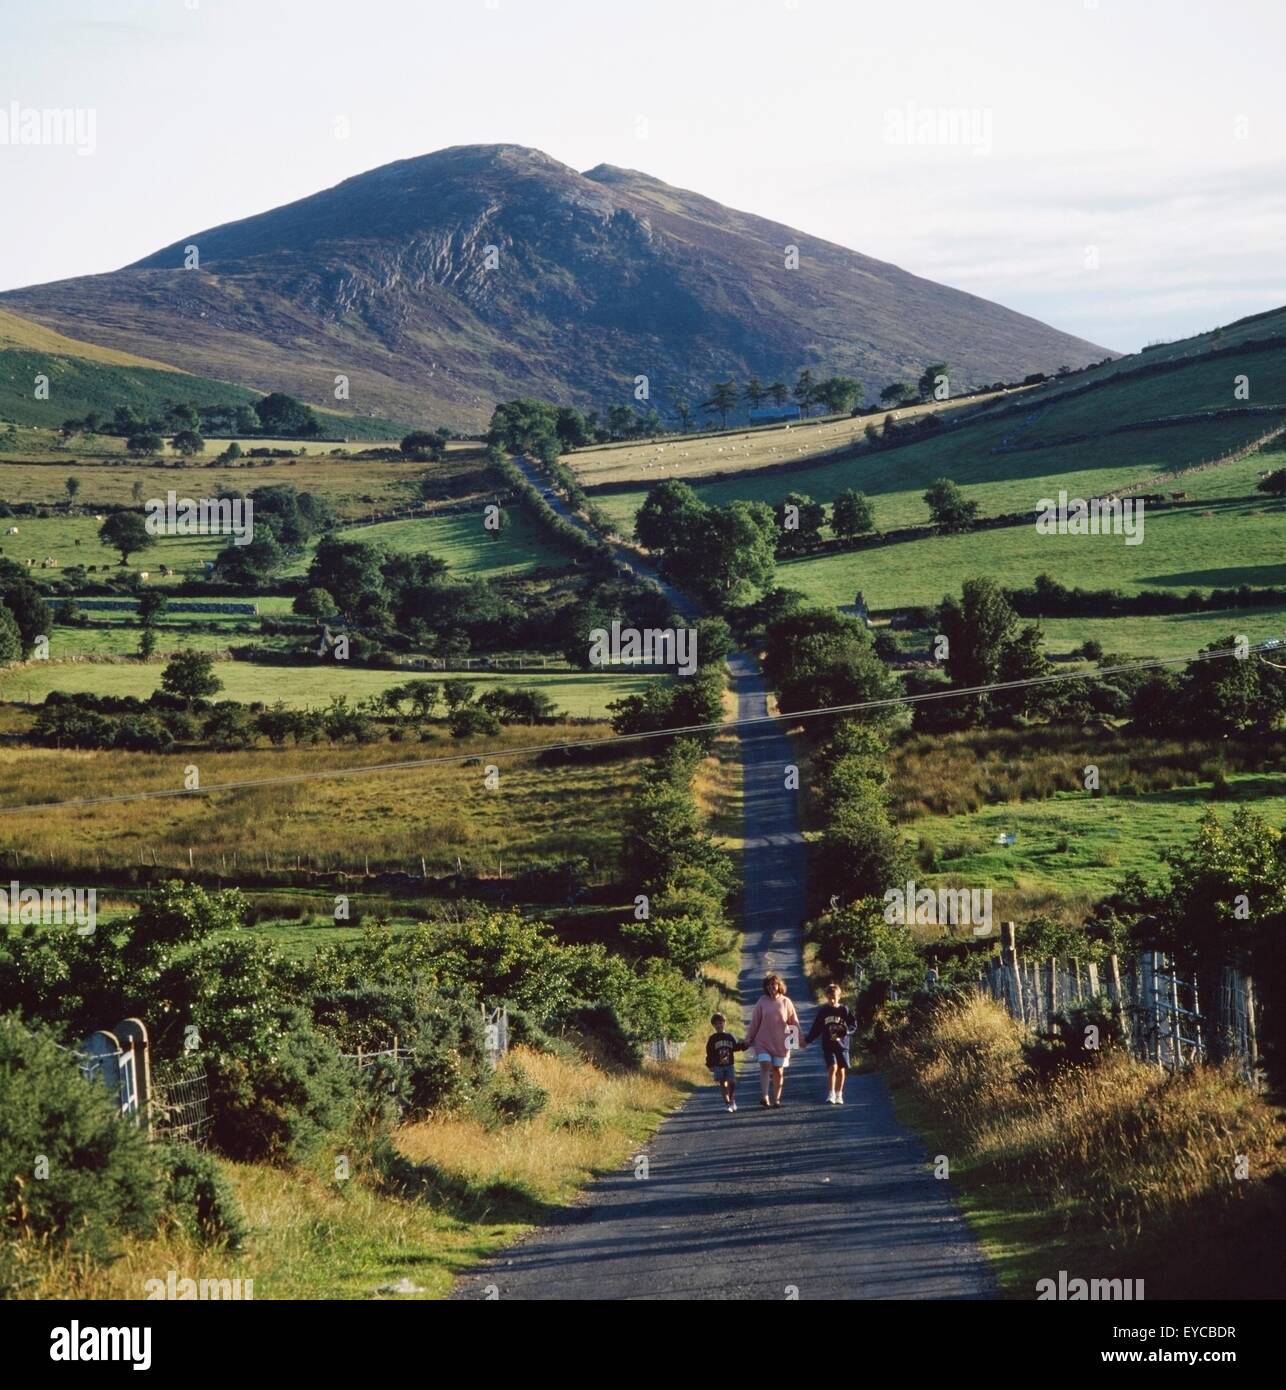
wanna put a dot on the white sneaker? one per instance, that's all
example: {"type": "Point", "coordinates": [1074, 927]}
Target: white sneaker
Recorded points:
{"type": "Point", "coordinates": [839, 1099]}
{"type": "Point", "coordinates": [830, 1098]}
{"type": "Point", "coordinates": [732, 1109]}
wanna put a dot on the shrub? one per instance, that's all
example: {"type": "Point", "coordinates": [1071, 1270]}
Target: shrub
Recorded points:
{"type": "Point", "coordinates": [100, 1179]}
{"type": "Point", "coordinates": [512, 1097]}
{"type": "Point", "coordinates": [277, 1107]}
{"type": "Point", "coordinates": [199, 1197]}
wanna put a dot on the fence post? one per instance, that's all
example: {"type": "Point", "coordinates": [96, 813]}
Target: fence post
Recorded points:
{"type": "Point", "coordinates": [1052, 995]}
{"type": "Point", "coordinates": [1252, 1031]}
{"type": "Point", "coordinates": [1118, 1003]}
{"type": "Point", "coordinates": [1009, 959]}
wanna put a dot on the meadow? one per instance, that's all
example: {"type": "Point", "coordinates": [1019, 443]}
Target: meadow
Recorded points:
{"type": "Point", "coordinates": [1074, 844]}
{"type": "Point", "coordinates": [580, 695]}
{"type": "Point", "coordinates": [1229, 543]}
{"type": "Point", "coordinates": [700, 455]}
{"type": "Point", "coordinates": [544, 809]}
{"type": "Point", "coordinates": [1001, 483]}
{"type": "Point", "coordinates": [356, 488]}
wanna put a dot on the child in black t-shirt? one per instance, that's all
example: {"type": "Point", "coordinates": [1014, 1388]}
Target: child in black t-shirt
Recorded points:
{"type": "Point", "coordinates": [834, 1023]}
{"type": "Point", "coordinates": [721, 1050]}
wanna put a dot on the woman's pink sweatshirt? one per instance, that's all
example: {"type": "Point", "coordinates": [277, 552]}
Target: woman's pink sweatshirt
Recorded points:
{"type": "Point", "coordinates": [768, 1025]}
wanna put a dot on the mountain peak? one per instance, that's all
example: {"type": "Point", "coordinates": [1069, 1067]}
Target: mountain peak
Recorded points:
{"type": "Point", "coordinates": [442, 283]}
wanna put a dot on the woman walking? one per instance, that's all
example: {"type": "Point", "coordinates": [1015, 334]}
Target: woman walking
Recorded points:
{"type": "Point", "coordinates": [774, 1014]}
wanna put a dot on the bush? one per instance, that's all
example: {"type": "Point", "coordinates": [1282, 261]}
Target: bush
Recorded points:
{"type": "Point", "coordinates": [199, 1197]}
{"type": "Point", "coordinates": [512, 1097]}
{"type": "Point", "coordinates": [100, 1180]}
{"type": "Point", "coordinates": [278, 1107]}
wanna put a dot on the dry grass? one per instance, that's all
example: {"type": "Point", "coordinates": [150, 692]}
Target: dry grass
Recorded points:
{"type": "Point", "coordinates": [709, 456]}
{"type": "Point", "coordinates": [355, 488]}
{"type": "Point", "coordinates": [542, 810]}
{"type": "Point", "coordinates": [1132, 1165]}
{"type": "Point", "coordinates": [586, 1128]}
{"type": "Point", "coordinates": [956, 774]}
{"type": "Point", "coordinates": [313, 1237]}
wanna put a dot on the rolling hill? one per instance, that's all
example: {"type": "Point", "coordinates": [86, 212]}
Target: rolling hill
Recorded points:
{"type": "Point", "coordinates": [441, 284]}
{"type": "Point", "coordinates": [85, 377]}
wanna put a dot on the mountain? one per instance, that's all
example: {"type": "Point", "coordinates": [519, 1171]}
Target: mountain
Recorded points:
{"type": "Point", "coordinates": [598, 278]}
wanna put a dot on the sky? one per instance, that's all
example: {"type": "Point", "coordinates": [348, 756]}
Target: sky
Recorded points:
{"type": "Point", "coordinates": [1116, 168]}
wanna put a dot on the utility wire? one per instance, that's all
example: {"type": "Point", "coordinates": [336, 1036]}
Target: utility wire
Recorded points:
{"type": "Point", "coordinates": [718, 726]}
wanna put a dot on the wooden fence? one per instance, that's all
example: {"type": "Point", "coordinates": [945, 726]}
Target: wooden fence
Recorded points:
{"type": "Point", "coordinates": [1160, 1014]}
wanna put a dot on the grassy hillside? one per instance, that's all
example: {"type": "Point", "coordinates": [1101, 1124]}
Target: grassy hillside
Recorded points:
{"type": "Point", "coordinates": [1220, 546]}
{"type": "Point", "coordinates": [85, 377]}
{"type": "Point", "coordinates": [1092, 433]}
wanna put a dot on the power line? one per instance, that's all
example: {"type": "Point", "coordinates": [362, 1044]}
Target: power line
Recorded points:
{"type": "Point", "coordinates": [717, 726]}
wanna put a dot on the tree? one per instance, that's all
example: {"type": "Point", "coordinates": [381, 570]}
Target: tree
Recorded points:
{"type": "Point", "coordinates": [72, 486]}
{"type": "Point", "coordinates": [948, 508]}
{"type": "Point", "coordinates": [571, 428]}
{"type": "Point", "coordinates": [799, 523]}
{"type": "Point", "coordinates": [25, 603]}
{"type": "Point", "coordinates": [1274, 484]}
{"type": "Point", "coordinates": [682, 408]}
{"type": "Point", "coordinates": [127, 533]}
{"type": "Point", "coordinates": [1228, 696]}
{"type": "Point", "coordinates": [315, 603]}
{"type": "Point", "coordinates": [733, 555]}
{"type": "Point", "coordinates": [779, 392]}
{"type": "Point", "coordinates": [838, 394]}
{"type": "Point", "coordinates": [897, 393]}
{"type": "Point", "coordinates": [929, 379]}
{"type": "Point", "coordinates": [10, 638]}
{"type": "Point", "coordinates": [851, 514]}
{"type": "Point", "coordinates": [284, 416]}
{"type": "Point", "coordinates": [803, 392]}
{"type": "Point", "coordinates": [667, 519]}
{"type": "Point", "coordinates": [253, 563]}
{"type": "Point", "coordinates": [986, 645]}
{"type": "Point", "coordinates": [457, 694]}
{"type": "Point", "coordinates": [816, 658]}
{"type": "Point", "coordinates": [754, 392]}
{"type": "Point", "coordinates": [350, 572]}
{"type": "Point", "coordinates": [723, 397]}
{"type": "Point", "coordinates": [187, 443]}
{"type": "Point", "coordinates": [423, 444]}
{"type": "Point", "coordinates": [190, 676]}
{"type": "Point", "coordinates": [1226, 889]}
{"type": "Point", "coordinates": [151, 605]}
{"type": "Point", "coordinates": [145, 442]}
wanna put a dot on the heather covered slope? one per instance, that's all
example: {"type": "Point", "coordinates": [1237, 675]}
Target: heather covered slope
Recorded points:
{"type": "Point", "coordinates": [595, 279]}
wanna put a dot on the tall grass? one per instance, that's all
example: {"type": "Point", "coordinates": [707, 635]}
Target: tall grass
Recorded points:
{"type": "Point", "coordinates": [1136, 1167]}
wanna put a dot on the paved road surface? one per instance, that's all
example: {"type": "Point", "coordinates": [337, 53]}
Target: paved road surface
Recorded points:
{"type": "Point", "coordinates": [835, 1203]}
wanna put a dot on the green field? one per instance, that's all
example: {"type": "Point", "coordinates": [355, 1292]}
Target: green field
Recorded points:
{"type": "Point", "coordinates": [1228, 544]}
{"type": "Point", "coordinates": [1075, 844]}
{"type": "Point", "coordinates": [895, 480]}
{"type": "Point", "coordinates": [299, 687]}
{"type": "Point", "coordinates": [1168, 635]}
{"type": "Point", "coordinates": [470, 551]}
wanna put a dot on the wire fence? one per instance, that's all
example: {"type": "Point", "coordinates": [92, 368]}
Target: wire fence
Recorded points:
{"type": "Point", "coordinates": [181, 1111]}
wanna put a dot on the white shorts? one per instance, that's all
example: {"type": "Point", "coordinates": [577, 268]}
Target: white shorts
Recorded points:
{"type": "Point", "coordinates": [775, 1061]}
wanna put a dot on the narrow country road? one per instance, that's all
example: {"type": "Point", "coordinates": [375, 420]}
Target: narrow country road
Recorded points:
{"type": "Point", "coordinates": [809, 1201]}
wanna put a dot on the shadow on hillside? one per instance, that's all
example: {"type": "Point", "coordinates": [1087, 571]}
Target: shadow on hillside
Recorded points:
{"type": "Point", "coordinates": [1229, 578]}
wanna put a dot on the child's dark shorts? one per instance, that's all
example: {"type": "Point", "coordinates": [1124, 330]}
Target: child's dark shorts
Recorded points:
{"type": "Point", "coordinates": [723, 1073]}
{"type": "Point", "coordinates": [836, 1054]}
